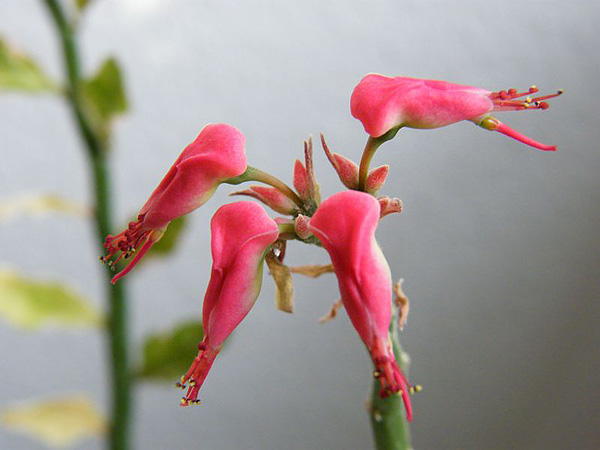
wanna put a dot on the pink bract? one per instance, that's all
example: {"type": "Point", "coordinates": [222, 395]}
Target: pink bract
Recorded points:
{"type": "Point", "coordinates": [345, 224]}
{"type": "Point", "coordinates": [241, 234]}
{"type": "Point", "coordinates": [384, 103]}
{"type": "Point", "coordinates": [218, 153]}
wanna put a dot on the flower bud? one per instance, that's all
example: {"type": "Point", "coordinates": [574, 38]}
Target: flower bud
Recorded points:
{"type": "Point", "coordinates": [376, 179]}
{"type": "Point", "coordinates": [271, 197]}
{"type": "Point", "coordinates": [301, 225]}
{"type": "Point", "coordinates": [389, 206]}
{"type": "Point", "coordinates": [346, 169]}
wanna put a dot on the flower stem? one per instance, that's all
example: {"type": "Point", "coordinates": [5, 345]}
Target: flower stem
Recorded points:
{"type": "Point", "coordinates": [116, 296]}
{"type": "Point", "coordinates": [254, 174]}
{"type": "Point", "coordinates": [388, 420]}
{"type": "Point", "coordinates": [370, 148]}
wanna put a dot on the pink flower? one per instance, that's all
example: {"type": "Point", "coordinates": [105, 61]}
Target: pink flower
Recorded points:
{"type": "Point", "coordinates": [383, 103]}
{"type": "Point", "coordinates": [215, 155]}
{"type": "Point", "coordinates": [345, 224]}
{"type": "Point", "coordinates": [241, 234]}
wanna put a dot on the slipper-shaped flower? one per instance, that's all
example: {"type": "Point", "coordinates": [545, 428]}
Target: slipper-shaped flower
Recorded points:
{"type": "Point", "coordinates": [218, 153]}
{"type": "Point", "coordinates": [385, 103]}
{"type": "Point", "coordinates": [242, 232]}
{"type": "Point", "coordinates": [345, 224]}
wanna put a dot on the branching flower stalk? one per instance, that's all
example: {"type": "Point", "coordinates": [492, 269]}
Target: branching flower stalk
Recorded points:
{"type": "Point", "coordinates": [96, 149]}
{"type": "Point", "coordinates": [244, 236]}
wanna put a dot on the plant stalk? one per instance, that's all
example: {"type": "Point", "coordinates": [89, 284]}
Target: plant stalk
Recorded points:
{"type": "Point", "coordinates": [96, 149]}
{"type": "Point", "coordinates": [370, 148]}
{"type": "Point", "coordinates": [254, 174]}
{"type": "Point", "coordinates": [388, 418]}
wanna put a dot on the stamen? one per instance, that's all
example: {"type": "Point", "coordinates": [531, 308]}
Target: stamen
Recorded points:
{"type": "Point", "coordinates": [415, 389]}
{"type": "Point", "coordinates": [546, 97]}
{"type": "Point", "coordinates": [512, 93]}
{"type": "Point", "coordinates": [390, 376]}
{"type": "Point", "coordinates": [197, 373]}
{"type": "Point", "coordinates": [507, 101]}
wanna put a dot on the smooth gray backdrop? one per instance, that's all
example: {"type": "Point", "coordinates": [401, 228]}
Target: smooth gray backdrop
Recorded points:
{"type": "Point", "coordinates": [498, 242]}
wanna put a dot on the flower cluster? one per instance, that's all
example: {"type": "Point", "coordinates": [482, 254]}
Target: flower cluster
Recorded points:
{"type": "Point", "coordinates": [244, 236]}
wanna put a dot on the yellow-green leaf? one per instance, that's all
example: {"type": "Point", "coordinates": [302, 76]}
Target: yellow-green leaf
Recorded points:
{"type": "Point", "coordinates": [38, 205]}
{"type": "Point", "coordinates": [168, 355]}
{"type": "Point", "coordinates": [104, 95]}
{"type": "Point", "coordinates": [284, 294]}
{"type": "Point", "coordinates": [168, 241]}
{"type": "Point", "coordinates": [32, 303]}
{"type": "Point", "coordinates": [57, 422]}
{"type": "Point", "coordinates": [82, 4]}
{"type": "Point", "coordinates": [20, 72]}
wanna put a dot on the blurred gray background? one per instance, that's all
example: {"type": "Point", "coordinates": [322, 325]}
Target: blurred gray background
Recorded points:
{"type": "Point", "coordinates": [498, 243]}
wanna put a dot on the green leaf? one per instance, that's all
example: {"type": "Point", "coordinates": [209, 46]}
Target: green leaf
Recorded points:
{"type": "Point", "coordinates": [82, 4]}
{"type": "Point", "coordinates": [168, 355]}
{"type": "Point", "coordinates": [104, 96]}
{"type": "Point", "coordinates": [168, 242]}
{"type": "Point", "coordinates": [19, 72]}
{"type": "Point", "coordinates": [38, 205]}
{"type": "Point", "coordinates": [59, 422]}
{"type": "Point", "coordinates": [32, 304]}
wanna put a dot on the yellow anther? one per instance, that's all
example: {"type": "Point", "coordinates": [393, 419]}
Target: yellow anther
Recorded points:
{"type": "Point", "coordinates": [184, 401]}
{"type": "Point", "coordinates": [525, 105]}
{"type": "Point", "coordinates": [376, 374]}
{"type": "Point", "coordinates": [528, 100]}
{"type": "Point", "coordinates": [415, 389]}
{"type": "Point", "coordinates": [560, 91]}
{"type": "Point", "coordinates": [533, 86]}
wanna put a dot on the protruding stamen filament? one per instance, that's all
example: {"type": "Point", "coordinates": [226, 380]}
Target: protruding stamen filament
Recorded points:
{"type": "Point", "coordinates": [391, 377]}
{"type": "Point", "coordinates": [197, 374]}
{"type": "Point", "coordinates": [134, 240]}
{"type": "Point", "coordinates": [506, 100]}
{"type": "Point", "coordinates": [512, 93]}
{"type": "Point", "coordinates": [546, 97]}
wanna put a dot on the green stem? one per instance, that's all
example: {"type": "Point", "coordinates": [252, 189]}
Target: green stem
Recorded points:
{"type": "Point", "coordinates": [116, 296]}
{"type": "Point", "coordinates": [286, 228]}
{"type": "Point", "coordinates": [370, 148]}
{"type": "Point", "coordinates": [388, 419]}
{"type": "Point", "coordinates": [254, 174]}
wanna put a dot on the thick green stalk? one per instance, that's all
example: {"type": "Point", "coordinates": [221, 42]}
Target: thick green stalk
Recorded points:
{"type": "Point", "coordinates": [254, 174]}
{"type": "Point", "coordinates": [116, 296]}
{"type": "Point", "coordinates": [370, 148]}
{"type": "Point", "coordinates": [388, 419]}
